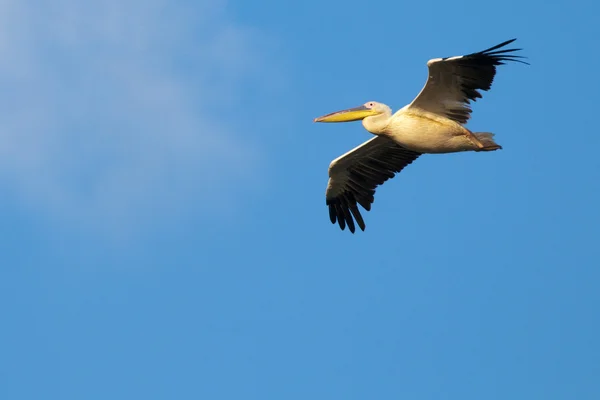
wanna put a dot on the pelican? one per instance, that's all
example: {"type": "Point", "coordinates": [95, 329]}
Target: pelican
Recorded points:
{"type": "Point", "coordinates": [434, 123]}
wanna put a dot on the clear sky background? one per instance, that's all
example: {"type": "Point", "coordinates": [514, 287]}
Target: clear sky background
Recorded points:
{"type": "Point", "coordinates": [164, 233]}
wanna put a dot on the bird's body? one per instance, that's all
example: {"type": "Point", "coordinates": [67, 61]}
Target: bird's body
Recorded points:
{"type": "Point", "coordinates": [434, 123]}
{"type": "Point", "coordinates": [425, 132]}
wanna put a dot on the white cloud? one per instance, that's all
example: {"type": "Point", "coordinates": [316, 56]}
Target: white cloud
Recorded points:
{"type": "Point", "coordinates": [109, 108]}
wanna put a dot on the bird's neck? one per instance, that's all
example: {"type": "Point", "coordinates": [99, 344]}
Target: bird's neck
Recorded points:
{"type": "Point", "coordinates": [376, 124]}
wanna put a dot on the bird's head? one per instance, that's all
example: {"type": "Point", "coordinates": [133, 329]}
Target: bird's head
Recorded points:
{"type": "Point", "coordinates": [369, 109]}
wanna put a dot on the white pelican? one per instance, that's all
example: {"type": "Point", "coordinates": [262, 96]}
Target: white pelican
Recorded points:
{"type": "Point", "coordinates": [432, 123]}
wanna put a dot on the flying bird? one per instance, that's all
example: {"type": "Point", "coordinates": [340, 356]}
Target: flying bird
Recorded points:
{"type": "Point", "coordinates": [434, 123]}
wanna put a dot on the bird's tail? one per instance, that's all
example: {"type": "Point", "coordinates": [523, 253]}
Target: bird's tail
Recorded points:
{"type": "Point", "coordinates": [487, 140]}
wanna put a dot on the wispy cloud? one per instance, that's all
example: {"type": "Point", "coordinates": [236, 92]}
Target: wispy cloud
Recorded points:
{"type": "Point", "coordinates": [107, 111]}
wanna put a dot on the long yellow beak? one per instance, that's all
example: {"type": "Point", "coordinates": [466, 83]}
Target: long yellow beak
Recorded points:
{"type": "Point", "coordinates": [351, 114]}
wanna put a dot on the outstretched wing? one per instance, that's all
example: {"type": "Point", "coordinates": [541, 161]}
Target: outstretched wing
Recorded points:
{"type": "Point", "coordinates": [354, 176]}
{"type": "Point", "coordinates": [454, 81]}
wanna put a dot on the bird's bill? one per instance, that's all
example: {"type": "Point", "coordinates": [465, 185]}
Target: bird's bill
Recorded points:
{"type": "Point", "coordinates": [351, 114]}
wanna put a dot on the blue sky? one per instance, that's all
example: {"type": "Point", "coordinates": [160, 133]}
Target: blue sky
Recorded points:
{"type": "Point", "coordinates": [164, 230]}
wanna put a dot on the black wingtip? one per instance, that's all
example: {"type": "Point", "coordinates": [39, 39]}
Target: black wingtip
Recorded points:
{"type": "Point", "coordinates": [340, 216]}
{"type": "Point", "coordinates": [500, 54]}
{"type": "Point", "coordinates": [332, 214]}
{"type": "Point", "coordinates": [499, 45]}
{"type": "Point", "coordinates": [342, 211]}
{"type": "Point", "coordinates": [359, 219]}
